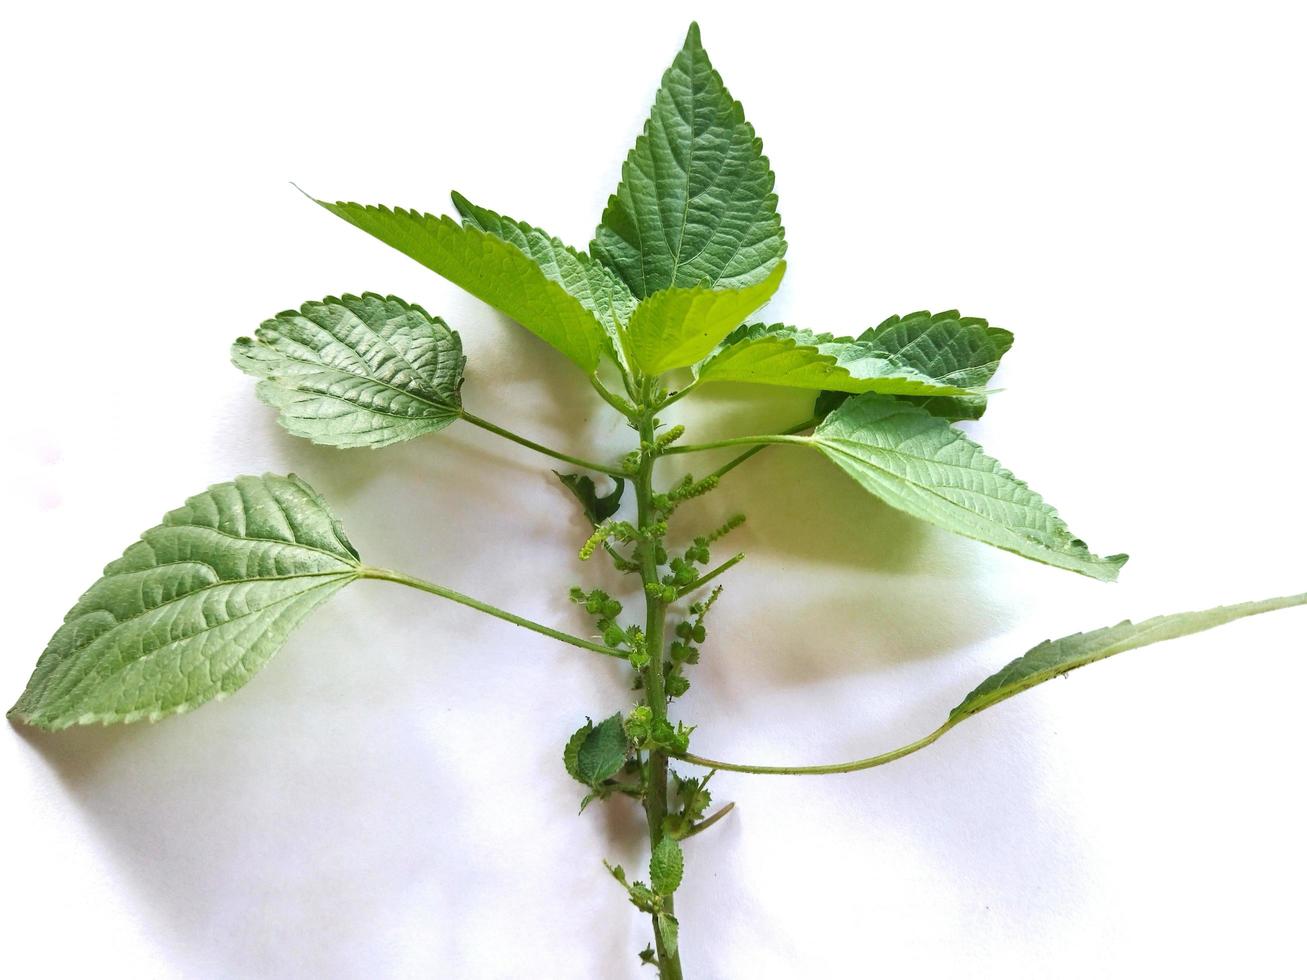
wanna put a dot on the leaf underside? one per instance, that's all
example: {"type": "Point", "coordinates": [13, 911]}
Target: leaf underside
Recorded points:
{"type": "Point", "coordinates": [695, 203]}
{"type": "Point", "coordinates": [357, 371]}
{"type": "Point", "coordinates": [191, 611]}
{"type": "Point", "coordinates": [922, 465]}
{"type": "Point", "coordinates": [491, 269]}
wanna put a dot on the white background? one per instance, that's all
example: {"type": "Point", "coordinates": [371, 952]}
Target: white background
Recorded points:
{"type": "Point", "coordinates": [1120, 184]}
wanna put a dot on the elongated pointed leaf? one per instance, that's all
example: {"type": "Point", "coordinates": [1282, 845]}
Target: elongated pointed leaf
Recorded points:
{"type": "Point", "coordinates": [491, 269]}
{"type": "Point", "coordinates": [677, 327]}
{"type": "Point", "coordinates": [1055, 657]}
{"type": "Point", "coordinates": [357, 371]}
{"type": "Point", "coordinates": [922, 465]}
{"type": "Point", "coordinates": [785, 356]}
{"type": "Point", "coordinates": [598, 288]}
{"type": "Point", "coordinates": [194, 608]}
{"type": "Point", "coordinates": [695, 203]}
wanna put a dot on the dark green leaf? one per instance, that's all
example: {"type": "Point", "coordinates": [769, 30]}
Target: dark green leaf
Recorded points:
{"type": "Point", "coordinates": [597, 509]}
{"type": "Point", "coordinates": [695, 204]}
{"type": "Point", "coordinates": [602, 752]}
{"type": "Point", "coordinates": [953, 349]}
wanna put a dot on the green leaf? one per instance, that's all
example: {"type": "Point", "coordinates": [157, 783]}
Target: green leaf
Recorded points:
{"type": "Point", "coordinates": [666, 866]}
{"type": "Point", "coordinates": [676, 327]}
{"type": "Point", "coordinates": [922, 465]}
{"type": "Point", "coordinates": [598, 288]}
{"type": "Point", "coordinates": [602, 752]}
{"type": "Point", "coordinates": [1055, 657]}
{"type": "Point", "coordinates": [357, 371]}
{"type": "Point", "coordinates": [668, 932]}
{"type": "Point", "coordinates": [597, 509]}
{"type": "Point", "coordinates": [781, 355]}
{"type": "Point", "coordinates": [953, 349]}
{"type": "Point", "coordinates": [191, 611]}
{"type": "Point", "coordinates": [695, 203]}
{"type": "Point", "coordinates": [492, 270]}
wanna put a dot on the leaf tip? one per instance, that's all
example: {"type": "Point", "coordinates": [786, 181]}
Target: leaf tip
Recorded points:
{"type": "Point", "coordinates": [692, 39]}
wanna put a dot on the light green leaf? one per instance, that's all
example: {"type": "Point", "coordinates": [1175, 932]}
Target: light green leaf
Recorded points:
{"type": "Point", "coordinates": [676, 327]}
{"type": "Point", "coordinates": [191, 611]}
{"type": "Point", "coordinates": [669, 932]}
{"type": "Point", "coordinates": [666, 866]}
{"type": "Point", "coordinates": [357, 371]}
{"type": "Point", "coordinates": [781, 355]}
{"type": "Point", "coordinates": [602, 752]}
{"type": "Point", "coordinates": [922, 465]}
{"type": "Point", "coordinates": [492, 270]}
{"type": "Point", "coordinates": [1054, 657]}
{"type": "Point", "coordinates": [598, 288]}
{"type": "Point", "coordinates": [695, 203]}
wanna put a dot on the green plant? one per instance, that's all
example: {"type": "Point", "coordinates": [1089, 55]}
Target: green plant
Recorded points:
{"type": "Point", "coordinates": [688, 248]}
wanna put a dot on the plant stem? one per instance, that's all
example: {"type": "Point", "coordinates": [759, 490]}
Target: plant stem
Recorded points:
{"type": "Point", "coordinates": [554, 453]}
{"type": "Point", "coordinates": [655, 801]}
{"type": "Point", "coordinates": [721, 471]}
{"type": "Point", "coordinates": [709, 576]}
{"type": "Point", "coordinates": [838, 767]}
{"type": "Point", "coordinates": [619, 403]}
{"type": "Point", "coordinates": [385, 575]}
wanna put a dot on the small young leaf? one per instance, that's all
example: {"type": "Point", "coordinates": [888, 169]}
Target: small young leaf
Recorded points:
{"type": "Point", "coordinates": [922, 465]}
{"type": "Point", "coordinates": [668, 930]}
{"type": "Point", "coordinates": [191, 611]}
{"type": "Point", "coordinates": [492, 270]}
{"type": "Point", "coordinates": [602, 752]}
{"type": "Point", "coordinates": [677, 326]}
{"type": "Point", "coordinates": [666, 866]}
{"type": "Point", "coordinates": [1054, 657]}
{"type": "Point", "coordinates": [599, 289]}
{"type": "Point", "coordinates": [572, 751]}
{"type": "Point", "coordinates": [357, 371]}
{"type": "Point", "coordinates": [781, 355]}
{"type": "Point", "coordinates": [695, 203]}
{"type": "Point", "coordinates": [598, 509]}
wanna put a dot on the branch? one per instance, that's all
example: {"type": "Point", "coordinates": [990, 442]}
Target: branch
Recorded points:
{"type": "Point", "coordinates": [552, 453]}
{"type": "Point", "coordinates": [385, 575]}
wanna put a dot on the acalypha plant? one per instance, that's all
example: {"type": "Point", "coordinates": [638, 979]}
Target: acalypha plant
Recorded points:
{"type": "Point", "coordinates": [663, 303]}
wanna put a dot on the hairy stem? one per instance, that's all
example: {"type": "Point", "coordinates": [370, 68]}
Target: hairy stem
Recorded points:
{"type": "Point", "coordinates": [827, 770]}
{"type": "Point", "coordinates": [725, 468]}
{"type": "Point", "coordinates": [385, 575]}
{"type": "Point", "coordinates": [655, 801]}
{"type": "Point", "coordinates": [553, 453]}
{"type": "Point", "coordinates": [707, 577]}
